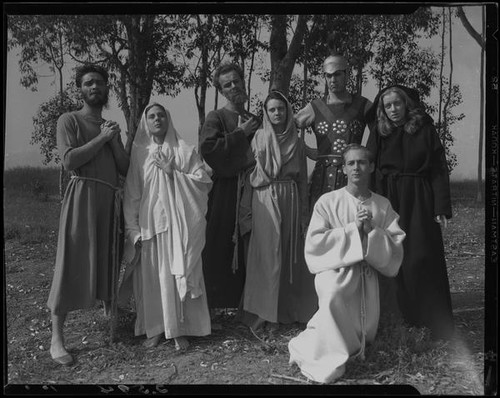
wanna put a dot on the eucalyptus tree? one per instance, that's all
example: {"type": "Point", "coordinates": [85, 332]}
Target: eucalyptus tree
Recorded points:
{"type": "Point", "coordinates": [42, 40]}
{"type": "Point", "coordinates": [480, 38]}
{"type": "Point", "coordinates": [208, 40]}
{"type": "Point", "coordinates": [136, 51]}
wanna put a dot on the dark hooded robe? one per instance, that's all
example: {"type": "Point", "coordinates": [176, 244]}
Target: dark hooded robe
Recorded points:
{"type": "Point", "coordinates": [411, 171]}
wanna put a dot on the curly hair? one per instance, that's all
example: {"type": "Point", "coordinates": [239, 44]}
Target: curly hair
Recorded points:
{"type": "Point", "coordinates": [223, 69]}
{"type": "Point", "coordinates": [89, 68]}
{"type": "Point", "coordinates": [415, 113]}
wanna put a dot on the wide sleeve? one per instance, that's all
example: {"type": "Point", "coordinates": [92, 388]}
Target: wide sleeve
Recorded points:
{"type": "Point", "coordinates": [329, 244]}
{"type": "Point", "coordinates": [373, 143]}
{"type": "Point", "coordinates": [226, 152]}
{"type": "Point", "coordinates": [66, 134]}
{"type": "Point", "coordinates": [439, 177]}
{"type": "Point", "coordinates": [384, 249]}
{"type": "Point", "coordinates": [305, 117]}
{"type": "Point", "coordinates": [190, 203]}
{"type": "Point", "coordinates": [245, 210]}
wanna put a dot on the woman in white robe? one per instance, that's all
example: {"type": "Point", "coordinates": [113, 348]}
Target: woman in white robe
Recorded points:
{"type": "Point", "coordinates": [352, 233]}
{"type": "Point", "coordinates": [165, 202]}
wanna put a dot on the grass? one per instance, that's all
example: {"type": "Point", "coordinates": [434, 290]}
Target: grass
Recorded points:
{"type": "Point", "coordinates": [399, 355]}
{"type": "Point", "coordinates": [31, 204]}
{"type": "Point", "coordinates": [32, 179]}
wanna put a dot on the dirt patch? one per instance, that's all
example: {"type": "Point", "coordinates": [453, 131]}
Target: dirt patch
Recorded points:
{"type": "Point", "coordinates": [234, 355]}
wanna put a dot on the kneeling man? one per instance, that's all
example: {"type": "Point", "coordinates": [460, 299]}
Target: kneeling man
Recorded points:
{"type": "Point", "coordinates": [352, 234]}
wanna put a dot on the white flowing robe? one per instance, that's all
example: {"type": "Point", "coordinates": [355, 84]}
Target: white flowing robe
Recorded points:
{"type": "Point", "coordinates": [168, 214]}
{"type": "Point", "coordinates": [345, 281]}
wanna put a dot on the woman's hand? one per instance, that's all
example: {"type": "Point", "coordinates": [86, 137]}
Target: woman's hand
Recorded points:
{"type": "Point", "coordinates": [160, 160]}
{"type": "Point", "coordinates": [441, 219]}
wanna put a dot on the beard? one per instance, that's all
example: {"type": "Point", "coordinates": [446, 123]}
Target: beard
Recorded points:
{"type": "Point", "coordinates": [100, 100]}
{"type": "Point", "coordinates": [238, 97]}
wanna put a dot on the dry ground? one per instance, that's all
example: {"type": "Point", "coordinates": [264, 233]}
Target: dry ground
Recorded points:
{"type": "Point", "coordinates": [233, 355]}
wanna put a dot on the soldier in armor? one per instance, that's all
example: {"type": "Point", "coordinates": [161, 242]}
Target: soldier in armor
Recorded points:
{"type": "Point", "coordinates": [337, 120]}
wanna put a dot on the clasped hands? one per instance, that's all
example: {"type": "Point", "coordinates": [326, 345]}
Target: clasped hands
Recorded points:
{"type": "Point", "coordinates": [364, 220]}
{"type": "Point", "coordinates": [110, 130]}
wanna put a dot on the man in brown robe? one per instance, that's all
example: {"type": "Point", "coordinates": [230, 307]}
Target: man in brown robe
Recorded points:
{"type": "Point", "coordinates": [87, 248]}
{"type": "Point", "coordinates": [225, 146]}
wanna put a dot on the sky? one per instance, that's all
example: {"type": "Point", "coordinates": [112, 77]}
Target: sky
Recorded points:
{"type": "Point", "coordinates": [22, 104]}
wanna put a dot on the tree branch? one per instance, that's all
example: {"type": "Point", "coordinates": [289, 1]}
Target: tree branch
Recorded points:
{"type": "Point", "coordinates": [475, 35]}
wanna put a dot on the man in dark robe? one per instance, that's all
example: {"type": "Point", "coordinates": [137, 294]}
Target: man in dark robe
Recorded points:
{"type": "Point", "coordinates": [225, 146]}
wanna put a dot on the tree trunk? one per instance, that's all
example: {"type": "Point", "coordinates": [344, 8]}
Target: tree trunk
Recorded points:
{"type": "Point", "coordinates": [479, 197]}
{"type": "Point", "coordinates": [475, 35]}
{"type": "Point", "coordinates": [440, 102]}
{"type": "Point", "coordinates": [481, 40]}
{"type": "Point", "coordinates": [283, 57]}
{"type": "Point", "coordinates": [140, 76]}
{"type": "Point", "coordinates": [450, 81]}
{"type": "Point", "coordinates": [252, 63]}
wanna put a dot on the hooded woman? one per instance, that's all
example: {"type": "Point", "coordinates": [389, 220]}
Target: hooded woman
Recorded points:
{"type": "Point", "coordinates": [165, 202]}
{"type": "Point", "coordinates": [278, 286]}
{"type": "Point", "coordinates": [411, 171]}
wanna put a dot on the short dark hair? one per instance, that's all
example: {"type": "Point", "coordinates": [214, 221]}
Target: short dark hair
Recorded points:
{"type": "Point", "coordinates": [352, 147]}
{"type": "Point", "coordinates": [223, 69]}
{"type": "Point", "coordinates": [89, 68]}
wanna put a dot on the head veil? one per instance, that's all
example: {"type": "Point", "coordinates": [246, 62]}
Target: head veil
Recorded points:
{"type": "Point", "coordinates": [273, 150]}
{"type": "Point", "coordinates": [173, 145]}
{"type": "Point", "coordinates": [179, 202]}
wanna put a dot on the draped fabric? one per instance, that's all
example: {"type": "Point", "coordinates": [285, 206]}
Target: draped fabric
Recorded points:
{"type": "Point", "coordinates": [278, 286]}
{"type": "Point", "coordinates": [164, 210]}
{"type": "Point", "coordinates": [273, 150]}
{"type": "Point", "coordinates": [345, 268]}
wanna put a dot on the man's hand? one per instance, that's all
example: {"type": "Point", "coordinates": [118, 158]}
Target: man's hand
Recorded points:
{"type": "Point", "coordinates": [441, 219]}
{"type": "Point", "coordinates": [249, 124]}
{"type": "Point", "coordinates": [364, 220]}
{"type": "Point", "coordinates": [110, 129]}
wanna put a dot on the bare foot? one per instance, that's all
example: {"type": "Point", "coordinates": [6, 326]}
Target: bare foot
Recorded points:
{"type": "Point", "coordinates": [181, 343]}
{"type": "Point", "coordinates": [258, 324]}
{"type": "Point", "coordinates": [59, 354]}
{"type": "Point", "coordinates": [57, 349]}
{"type": "Point", "coordinates": [107, 308]}
{"type": "Point", "coordinates": [152, 341]}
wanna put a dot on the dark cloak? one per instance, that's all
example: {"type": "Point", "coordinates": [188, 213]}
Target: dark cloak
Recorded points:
{"type": "Point", "coordinates": [411, 171]}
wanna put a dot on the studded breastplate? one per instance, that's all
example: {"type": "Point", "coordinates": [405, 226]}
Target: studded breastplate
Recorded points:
{"type": "Point", "coordinates": [336, 126]}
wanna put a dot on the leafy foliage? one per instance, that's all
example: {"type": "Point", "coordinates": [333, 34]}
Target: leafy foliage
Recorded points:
{"type": "Point", "coordinates": [45, 122]}
{"type": "Point", "coordinates": [148, 54]}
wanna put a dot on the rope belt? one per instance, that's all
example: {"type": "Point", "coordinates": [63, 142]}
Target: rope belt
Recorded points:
{"type": "Point", "coordinates": [115, 244]}
{"type": "Point", "coordinates": [239, 187]}
{"type": "Point", "coordinates": [294, 216]}
{"type": "Point", "coordinates": [364, 270]}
